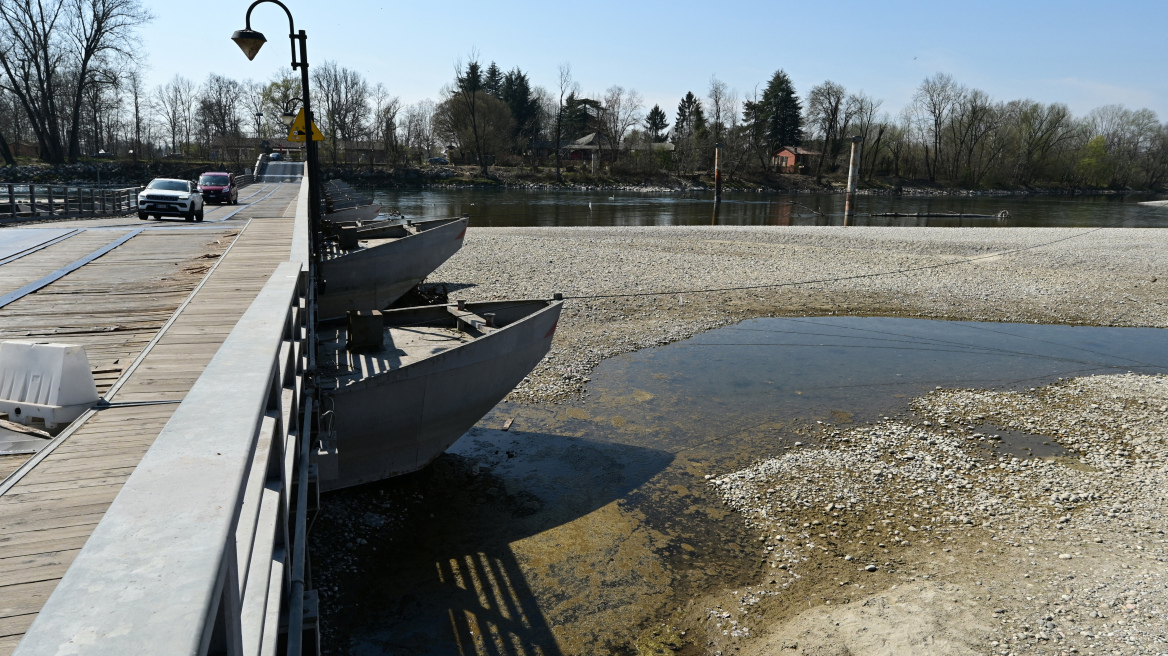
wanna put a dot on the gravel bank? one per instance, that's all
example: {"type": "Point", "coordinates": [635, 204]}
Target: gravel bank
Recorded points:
{"type": "Point", "coordinates": [1108, 277]}
{"type": "Point", "coordinates": [968, 551]}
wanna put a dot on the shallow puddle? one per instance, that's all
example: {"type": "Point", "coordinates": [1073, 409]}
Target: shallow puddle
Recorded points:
{"type": "Point", "coordinates": [588, 524]}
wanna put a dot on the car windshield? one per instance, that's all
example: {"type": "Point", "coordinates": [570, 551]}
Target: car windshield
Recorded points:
{"type": "Point", "coordinates": [220, 180]}
{"type": "Point", "coordinates": [168, 185]}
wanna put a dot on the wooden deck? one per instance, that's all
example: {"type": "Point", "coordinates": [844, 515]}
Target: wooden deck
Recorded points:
{"type": "Point", "coordinates": [116, 306]}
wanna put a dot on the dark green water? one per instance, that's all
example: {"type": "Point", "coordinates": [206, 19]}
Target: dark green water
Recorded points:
{"type": "Point", "coordinates": [587, 521]}
{"type": "Point", "coordinates": [508, 207]}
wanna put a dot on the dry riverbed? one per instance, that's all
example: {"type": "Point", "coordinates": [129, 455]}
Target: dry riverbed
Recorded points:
{"type": "Point", "coordinates": [912, 535]}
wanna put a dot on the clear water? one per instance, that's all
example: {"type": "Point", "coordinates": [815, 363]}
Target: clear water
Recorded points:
{"type": "Point", "coordinates": [537, 534]}
{"type": "Point", "coordinates": [511, 207]}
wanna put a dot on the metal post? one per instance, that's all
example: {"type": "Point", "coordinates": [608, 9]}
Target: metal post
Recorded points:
{"type": "Point", "coordinates": [52, 206]}
{"type": "Point", "coordinates": [12, 200]}
{"type": "Point", "coordinates": [718, 172]}
{"type": "Point", "coordinates": [310, 151]}
{"type": "Point", "coordinates": [853, 179]}
{"type": "Point", "coordinates": [32, 199]}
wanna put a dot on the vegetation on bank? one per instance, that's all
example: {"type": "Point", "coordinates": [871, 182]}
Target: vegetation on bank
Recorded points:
{"type": "Point", "coordinates": [90, 101]}
{"type": "Point", "coordinates": [572, 177]}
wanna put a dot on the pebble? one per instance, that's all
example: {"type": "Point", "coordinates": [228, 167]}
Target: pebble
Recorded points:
{"type": "Point", "coordinates": [1037, 517]}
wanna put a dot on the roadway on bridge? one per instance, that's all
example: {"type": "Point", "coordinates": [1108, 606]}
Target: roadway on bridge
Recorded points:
{"type": "Point", "coordinates": [151, 312]}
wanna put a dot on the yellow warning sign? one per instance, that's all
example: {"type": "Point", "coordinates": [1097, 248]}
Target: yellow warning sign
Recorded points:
{"type": "Point", "coordinates": [297, 132]}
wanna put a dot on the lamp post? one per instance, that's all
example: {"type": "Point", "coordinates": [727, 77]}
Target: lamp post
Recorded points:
{"type": "Point", "coordinates": [250, 42]}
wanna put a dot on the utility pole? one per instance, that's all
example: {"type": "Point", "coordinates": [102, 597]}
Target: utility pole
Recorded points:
{"type": "Point", "coordinates": [853, 179]}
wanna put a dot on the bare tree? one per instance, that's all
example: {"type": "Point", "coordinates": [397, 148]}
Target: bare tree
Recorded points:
{"type": "Point", "coordinates": [863, 108]}
{"type": "Point", "coordinates": [344, 95]}
{"type": "Point", "coordinates": [622, 110]}
{"type": "Point", "coordinates": [565, 88]}
{"type": "Point", "coordinates": [94, 29]}
{"type": "Point", "coordinates": [385, 124]}
{"type": "Point", "coordinates": [254, 106]}
{"type": "Point", "coordinates": [825, 106]}
{"type": "Point", "coordinates": [1039, 129]}
{"type": "Point", "coordinates": [139, 103]}
{"type": "Point", "coordinates": [173, 106]}
{"type": "Point", "coordinates": [934, 101]}
{"type": "Point", "coordinates": [420, 128]}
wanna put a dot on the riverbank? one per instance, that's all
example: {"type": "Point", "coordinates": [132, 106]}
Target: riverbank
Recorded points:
{"type": "Point", "coordinates": [573, 178]}
{"type": "Point", "coordinates": [612, 521]}
{"type": "Point", "coordinates": [1098, 277]}
{"type": "Point", "coordinates": [934, 545]}
{"type": "Point", "coordinates": [913, 536]}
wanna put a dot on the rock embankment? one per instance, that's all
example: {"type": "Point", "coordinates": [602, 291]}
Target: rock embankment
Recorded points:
{"type": "Point", "coordinates": [1107, 277]}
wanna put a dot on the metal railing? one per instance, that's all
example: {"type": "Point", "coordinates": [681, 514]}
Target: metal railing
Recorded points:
{"type": "Point", "coordinates": [204, 550]}
{"type": "Point", "coordinates": [24, 201]}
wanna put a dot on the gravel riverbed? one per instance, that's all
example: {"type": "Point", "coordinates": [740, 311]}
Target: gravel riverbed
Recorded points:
{"type": "Point", "coordinates": [968, 551]}
{"type": "Point", "coordinates": [1105, 277]}
{"type": "Point", "coordinates": [915, 534]}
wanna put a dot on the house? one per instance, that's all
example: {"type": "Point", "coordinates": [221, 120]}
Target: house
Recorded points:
{"type": "Point", "coordinates": [24, 148]}
{"type": "Point", "coordinates": [655, 146]}
{"type": "Point", "coordinates": [792, 159]}
{"type": "Point", "coordinates": [585, 147]}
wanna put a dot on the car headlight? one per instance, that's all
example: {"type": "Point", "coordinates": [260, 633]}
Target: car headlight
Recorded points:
{"type": "Point", "coordinates": [184, 196]}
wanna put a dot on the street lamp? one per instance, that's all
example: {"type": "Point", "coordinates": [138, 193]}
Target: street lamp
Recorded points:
{"type": "Point", "coordinates": [250, 42]}
{"type": "Point", "coordinates": [289, 116]}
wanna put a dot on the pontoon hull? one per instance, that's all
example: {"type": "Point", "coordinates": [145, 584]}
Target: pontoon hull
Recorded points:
{"type": "Point", "coordinates": [398, 422]}
{"type": "Point", "coordinates": [373, 278]}
{"type": "Point", "coordinates": [360, 213]}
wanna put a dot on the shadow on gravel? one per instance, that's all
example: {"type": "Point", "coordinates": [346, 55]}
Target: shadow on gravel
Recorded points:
{"type": "Point", "coordinates": [437, 574]}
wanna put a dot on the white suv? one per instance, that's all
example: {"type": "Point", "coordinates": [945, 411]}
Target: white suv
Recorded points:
{"type": "Point", "coordinates": [170, 197]}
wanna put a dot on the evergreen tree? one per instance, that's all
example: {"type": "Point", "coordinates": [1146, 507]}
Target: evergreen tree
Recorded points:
{"type": "Point", "coordinates": [690, 117]}
{"type": "Point", "coordinates": [655, 124]}
{"type": "Point", "coordinates": [470, 80]}
{"type": "Point", "coordinates": [784, 112]}
{"type": "Point", "coordinates": [515, 91]}
{"type": "Point", "coordinates": [776, 119]}
{"type": "Point", "coordinates": [493, 81]}
{"type": "Point", "coordinates": [580, 117]}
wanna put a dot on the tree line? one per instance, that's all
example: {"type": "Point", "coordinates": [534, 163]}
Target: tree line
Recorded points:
{"type": "Point", "coordinates": [72, 86]}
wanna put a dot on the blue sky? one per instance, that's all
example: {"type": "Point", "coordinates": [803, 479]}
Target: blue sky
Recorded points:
{"type": "Point", "coordinates": [1084, 54]}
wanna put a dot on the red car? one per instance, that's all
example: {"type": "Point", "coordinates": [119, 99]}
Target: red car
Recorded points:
{"type": "Point", "coordinates": [219, 187]}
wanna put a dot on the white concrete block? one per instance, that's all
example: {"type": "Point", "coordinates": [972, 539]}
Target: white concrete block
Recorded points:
{"type": "Point", "coordinates": [52, 382]}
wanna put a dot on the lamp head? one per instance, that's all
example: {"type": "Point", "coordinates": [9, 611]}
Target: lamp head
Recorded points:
{"type": "Point", "coordinates": [287, 118]}
{"type": "Point", "coordinates": [249, 41]}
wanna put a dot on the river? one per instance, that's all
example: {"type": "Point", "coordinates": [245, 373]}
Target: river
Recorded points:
{"type": "Point", "coordinates": [511, 207]}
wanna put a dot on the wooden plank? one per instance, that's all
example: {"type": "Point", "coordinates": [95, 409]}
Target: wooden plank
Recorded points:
{"type": "Point", "coordinates": [65, 537]}
{"type": "Point", "coordinates": [36, 567]}
{"type": "Point", "coordinates": [24, 598]}
{"type": "Point", "coordinates": [16, 625]}
{"type": "Point", "coordinates": [8, 643]}
{"type": "Point", "coordinates": [113, 307]}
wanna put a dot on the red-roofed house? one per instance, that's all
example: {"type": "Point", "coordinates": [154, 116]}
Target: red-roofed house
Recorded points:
{"type": "Point", "coordinates": [792, 159]}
